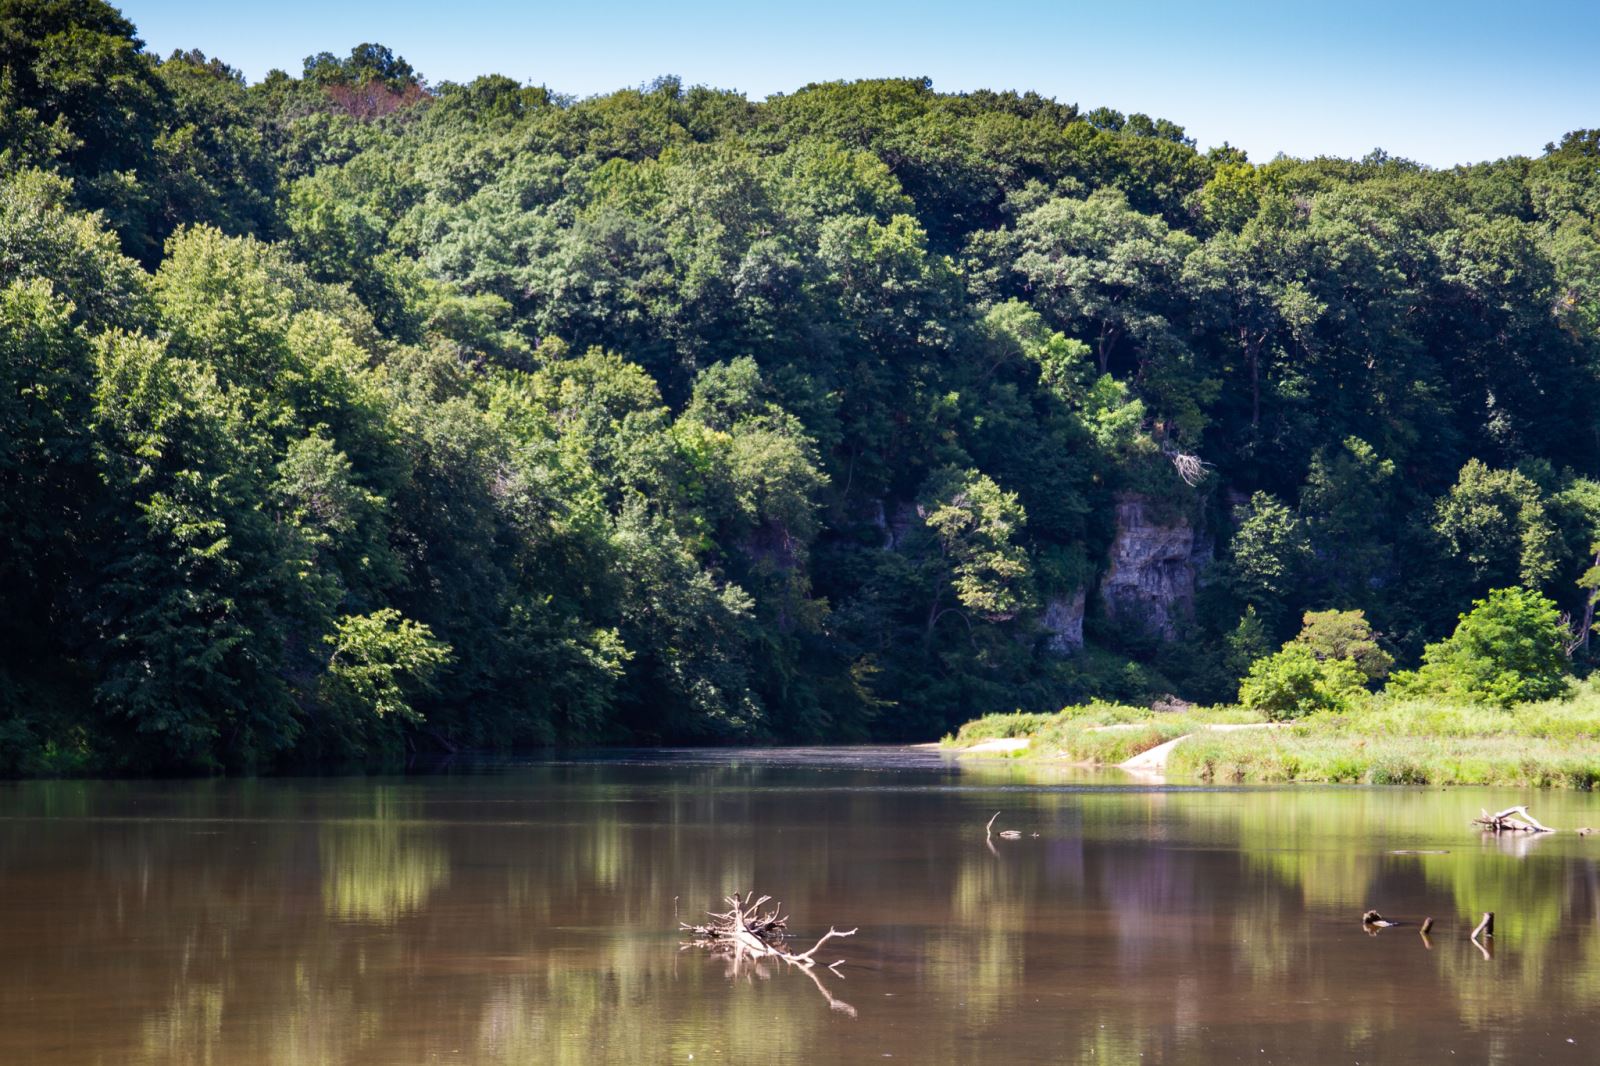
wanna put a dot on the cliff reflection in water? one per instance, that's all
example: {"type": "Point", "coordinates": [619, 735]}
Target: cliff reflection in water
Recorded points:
{"type": "Point", "coordinates": [529, 915]}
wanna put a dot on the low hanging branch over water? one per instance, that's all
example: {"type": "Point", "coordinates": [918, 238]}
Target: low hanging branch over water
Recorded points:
{"type": "Point", "coordinates": [746, 931]}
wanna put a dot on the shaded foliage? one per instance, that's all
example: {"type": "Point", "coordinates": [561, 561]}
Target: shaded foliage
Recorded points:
{"type": "Point", "coordinates": [346, 415]}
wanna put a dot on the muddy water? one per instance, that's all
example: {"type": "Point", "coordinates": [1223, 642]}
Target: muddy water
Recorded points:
{"type": "Point", "coordinates": [525, 912]}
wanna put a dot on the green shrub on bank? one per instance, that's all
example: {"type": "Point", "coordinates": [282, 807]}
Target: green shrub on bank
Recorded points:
{"type": "Point", "coordinates": [1294, 683]}
{"type": "Point", "coordinates": [1345, 636]}
{"type": "Point", "coordinates": [1509, 649]}
{"type": "Point", "coordinates": [998, 727]}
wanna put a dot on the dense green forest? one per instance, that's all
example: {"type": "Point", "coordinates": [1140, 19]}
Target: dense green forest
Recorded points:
{"type": "Point", "coordinates": [344, 414]}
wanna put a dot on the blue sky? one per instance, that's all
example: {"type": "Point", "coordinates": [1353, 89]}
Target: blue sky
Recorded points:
{"type": "Point", "coordinates": [1438, 82]}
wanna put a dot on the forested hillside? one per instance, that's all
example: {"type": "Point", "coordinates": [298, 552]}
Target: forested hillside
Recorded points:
{"type": "Point", "coordinates": [345, 414]}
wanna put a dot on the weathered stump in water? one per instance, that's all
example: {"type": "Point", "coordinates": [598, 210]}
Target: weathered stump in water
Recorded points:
{"type": "Point", "coordinates": [1485, 927]}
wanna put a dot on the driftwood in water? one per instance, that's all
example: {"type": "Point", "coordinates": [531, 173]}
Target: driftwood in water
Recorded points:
{"type": "Point", "coordinates": [1485, 927]}
{"type": "Point", "coordinates": [1372, 922]}
{"type": "Point", "coordinates": [1005, 834]}
{"type": "Point", "coordinates": [748, 938]}
{"type": "Point", "coordinates": [1511, 820]}
{"type": "Point", "coordinates": [746, 931]}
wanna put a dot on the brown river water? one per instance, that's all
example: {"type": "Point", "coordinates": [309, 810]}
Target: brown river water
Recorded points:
{"type": "Point", "coordinates": [525, 911]}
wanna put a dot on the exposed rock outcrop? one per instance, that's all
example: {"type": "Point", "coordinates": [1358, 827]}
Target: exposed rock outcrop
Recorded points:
{"type": "Point", "coordinates": [1150, 581]}
{"type": "Point", "coordinates": [897, 523]}
{"type": "Point", "coordinates": [1063, 621]}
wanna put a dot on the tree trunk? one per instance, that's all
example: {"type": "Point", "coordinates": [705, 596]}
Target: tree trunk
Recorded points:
{"type": "Point", "coordinates": [1581, 637]}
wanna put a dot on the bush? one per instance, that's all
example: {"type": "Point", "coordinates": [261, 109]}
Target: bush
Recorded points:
{"type": "Point", "coordinates": [1294, 683]}
{"type": "Point", "coordinates": [1345, 635]}
{"type": "Point", "coordinates": [1510, 648]}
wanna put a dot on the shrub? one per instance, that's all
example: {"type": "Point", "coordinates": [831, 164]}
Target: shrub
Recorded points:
{"type": "Point", "coordinates": [1510, 648]}
{"type": "Point", "coordinates": [1345, 635]}
{"type": "Point", "coordinates": [1294, 682]}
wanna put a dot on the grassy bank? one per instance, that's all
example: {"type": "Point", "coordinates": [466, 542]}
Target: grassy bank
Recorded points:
{"type": "Point", "coordinates": [1095, 732]}
{"type": "Point", "coordinates": [1555, 744]}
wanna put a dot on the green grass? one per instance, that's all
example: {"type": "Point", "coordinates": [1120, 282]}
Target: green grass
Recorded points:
{"type": "Point", "coordinates": [1553, 744]}
{"type": "Point", "coordinates": [1302, 754]}
{"type": "Point", "coordinates": [1081, 734]}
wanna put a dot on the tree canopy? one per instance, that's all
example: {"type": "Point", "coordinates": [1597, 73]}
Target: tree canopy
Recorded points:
{"type": "Point", "coordinates": [343, 414]}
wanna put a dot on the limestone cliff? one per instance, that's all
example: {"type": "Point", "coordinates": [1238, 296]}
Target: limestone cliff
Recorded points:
{"type": "Point", "coordinates": [1063, 621]}
{"type": "Point", "coordinates": [1149, 582]}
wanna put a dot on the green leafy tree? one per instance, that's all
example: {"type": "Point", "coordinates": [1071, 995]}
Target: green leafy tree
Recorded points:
{"type": "Point", "coordinates": [379, 664]}
{"type": "Point", "coordinates": [42, 236]}
{"type": "Point", "coordinates": [1270, 557]}
{"type": "Point", "coordinates": [1103, 271]}
{"type": "Point", "coordinates": [632, 400]}
{"type": "Point", "coordinates": [1509, 649]}
{"type": "Point", "coordinates": [1247, 643]}
{"type": "Point", "coordinates": [195, 595]}
{"type": "Point", "coordinates": [978, 527]}
{"type": "Point", "coordinates": [78, 90]}
{"type": "Point", "coordinates": [1496, 522]}
{"type": "Point", "coordinates": [1346, 504]}
{"type": "Point", "coordinates": [214, 151]}
{"type": "Point", "coordinates": [1345, 636]}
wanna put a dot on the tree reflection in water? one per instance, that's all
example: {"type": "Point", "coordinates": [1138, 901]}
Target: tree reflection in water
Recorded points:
{"type": "Point", "coordinates": [528, 915]}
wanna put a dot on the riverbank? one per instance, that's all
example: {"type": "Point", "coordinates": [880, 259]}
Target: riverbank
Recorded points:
{"type": "Point", "coordinates": [1554, 744]}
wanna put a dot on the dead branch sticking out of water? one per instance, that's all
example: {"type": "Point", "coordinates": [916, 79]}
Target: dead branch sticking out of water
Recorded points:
{"type": "Point", "coordinates": [1005, 834]}
{"type": "Point", "coordinates": [748, 937]}
{"type": "Point", "coordinates": [746, 931]}
{"type": "Point", "coordinates": [1511, 820]}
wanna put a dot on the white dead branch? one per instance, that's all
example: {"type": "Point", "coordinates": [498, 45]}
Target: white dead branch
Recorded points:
{"type": "Point", "coordinates": [1511, 820]}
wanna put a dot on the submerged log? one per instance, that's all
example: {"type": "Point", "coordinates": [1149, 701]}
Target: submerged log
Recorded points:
{"type": "Point", "coordinates": [1511, 820]}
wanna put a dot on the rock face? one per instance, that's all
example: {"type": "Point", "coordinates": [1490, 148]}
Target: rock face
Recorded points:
{"type": "Point", "coordinates": [1063, 621]}
{"type": "Point", "coordinates": [1149, 584]}
{"type": "Point", "coordinates": [897, 523]}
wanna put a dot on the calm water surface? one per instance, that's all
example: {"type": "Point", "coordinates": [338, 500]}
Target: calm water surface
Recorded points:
{"type": "Point", "coordinates": [525, 912]}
